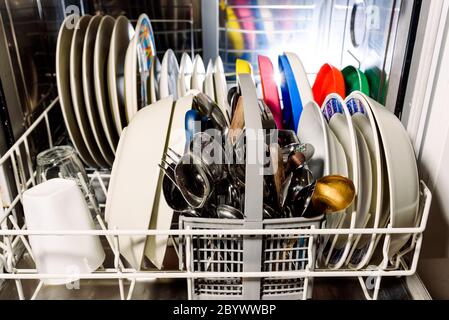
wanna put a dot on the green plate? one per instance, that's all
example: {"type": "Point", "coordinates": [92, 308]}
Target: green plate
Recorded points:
{"type": "Point", "coordinates": [355, 80]}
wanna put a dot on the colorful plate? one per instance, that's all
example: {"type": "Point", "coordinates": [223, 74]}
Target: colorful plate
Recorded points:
{"type": "Point", "coordinates": [290, 96]}
{"type": "Point", "coordinates": [355, 80]}
{"type": "Point", "coordinates": [270, 89]}
{"type": "Point", "coordinates": [328, 80]}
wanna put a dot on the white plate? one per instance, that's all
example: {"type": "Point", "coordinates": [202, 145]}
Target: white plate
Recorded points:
{"type": "Point", "coordinates": [209, 81]}
{"type": "Point", "coordinates": [161, 217]}
{"type": "Point", "coordinates": [101, 53]}
{"type": "Point", "coordinates": [312, 129]}
{"type": "Point", "coordinates": [363, 119]}
{"type": "Point", "coordinates": [135, 177]}
{"type": "Point", "coordinates": [336, 112]}
{"type": "Point", "coordinates": [169, 76]}
{"type": "Point", "coordinates": [221, 88]}
{"type": "Point", "coordinates": [131, 98]}
{"type": "Point", "coordinates": [89, 90]}
{"type": "Point", "coordinates": [152, 83]}
{"type": "Point", "coordinates": [302, 81]}
{"type": "Point", "coordinates": [403, 181]}
{"type": "Point", "coordinates": [76, 86]}
{"type": "Point", "coordinates": [63, 83]}
{"type": "Point", "coordinates": [142, 42]}
{"type": "Point", "coordinates": [121, 36]}
{"type": "Point", "coordinates": [185, 74]}
{"type": "Point", "coordinates": [198, 74]}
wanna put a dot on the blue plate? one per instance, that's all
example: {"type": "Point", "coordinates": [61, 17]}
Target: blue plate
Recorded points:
{"type": "Point", "coordinates": [290, 96]}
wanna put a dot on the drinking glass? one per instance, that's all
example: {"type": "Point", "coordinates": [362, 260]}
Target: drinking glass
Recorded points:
{"type": "Point", "coordinates": [63, 162]}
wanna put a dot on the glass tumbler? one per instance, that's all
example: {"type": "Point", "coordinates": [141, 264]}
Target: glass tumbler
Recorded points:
{"type": "Point", "coordinates": [63, 162]}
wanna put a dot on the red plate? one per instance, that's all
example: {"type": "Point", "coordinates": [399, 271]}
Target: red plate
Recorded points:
{"type": "Point", "coordinates": [329, 80]}
{"type": "Point", "coordinates": [270, 89]}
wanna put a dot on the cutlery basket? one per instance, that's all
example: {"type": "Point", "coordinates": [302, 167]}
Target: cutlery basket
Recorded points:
{"type": "Point", "coordinates": [231, 253]}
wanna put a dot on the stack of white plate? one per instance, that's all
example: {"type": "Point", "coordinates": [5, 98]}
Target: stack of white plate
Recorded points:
{"type": "Point", "coordinates": [97, 68]}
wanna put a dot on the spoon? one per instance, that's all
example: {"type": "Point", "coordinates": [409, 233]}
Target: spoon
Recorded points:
{"type": "Point", "coordinates": [237, 123]}
{"type": "Point", "coordinates": [207, 107]}
{"type": "Point", "coordinates": [327, 195]}
{"type": "Point", "coordinates": [227, 212]}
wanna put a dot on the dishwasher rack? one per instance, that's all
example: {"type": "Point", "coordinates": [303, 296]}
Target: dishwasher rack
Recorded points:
{"type": "Point", "coordinates": [14, 243]}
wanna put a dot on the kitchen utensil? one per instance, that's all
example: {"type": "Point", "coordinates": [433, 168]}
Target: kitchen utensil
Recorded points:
{"type": "Point", "coordinates": [327, 195]}
{"type": "Point", "coordinates": [301, 78]}
{"type": "Point", "coordinates": [328, 80]}
{"type": "Point", "coordinates": [173, 195]}
{"type": "Point", "coordinates": [228, 212]}
{"type": "Point", "coordinates": [355, 80]}
{"type": "Point", "coordinates": [305, 149]}
{"type": "Point", "coordinates": [208, 108]}
{"type": "Point", "coordinates": [192, 125]}
{"type": "Point", "coordinates": [63, 45]}
{"type": "Point", "coordinates": [270, 89]}
{"type": "Point", "coordinates": [89, 91]}
{"type": "Point", "coordinates": [278, 171]}
{"type": "Point", "coordinates": [237, 123]}
{"type": "Point", "coordinates": [58, 204]}
{"type": "Point", "coordinates": [76, 86]}
{"type": "Point", "coordinates": [135, 176]}
{"type": "Point", "coordinates": [199, 168]}
{"type": "Point", "coordinates": [291, 97]}
{"type": "Point", "coordinates": [101, 52]}
{"type": "Point", "coordinates": [233, 97]}
{"type": "Point", "coordinates": [63, 162]}
{"type": "Point", "coordinates": [121, 36]}
{"type": "Point", "coordinates": [268, 122]}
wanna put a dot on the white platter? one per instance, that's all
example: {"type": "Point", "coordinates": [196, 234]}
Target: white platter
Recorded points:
{"type": "Point", "coordinates": [135, 177]}
{"type": "Point", "coordinates": [63, 45]}
{"type": "Point", "coordinates": [122, 34]}
{"type": "Point", "coordinates": [101, 53]}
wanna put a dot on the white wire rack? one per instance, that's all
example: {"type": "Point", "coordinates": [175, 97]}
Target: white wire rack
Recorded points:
{"type": "Point", "coordinates": [13, 236]}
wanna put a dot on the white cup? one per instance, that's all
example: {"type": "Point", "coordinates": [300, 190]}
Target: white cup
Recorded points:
{"type": "Point", "coordinates": [58, 204]}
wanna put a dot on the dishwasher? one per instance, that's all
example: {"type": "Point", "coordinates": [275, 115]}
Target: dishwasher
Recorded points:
{"type": "Point", "coordinates": [107, 87]}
